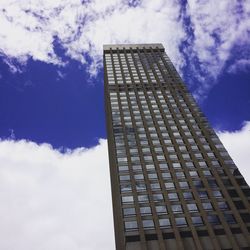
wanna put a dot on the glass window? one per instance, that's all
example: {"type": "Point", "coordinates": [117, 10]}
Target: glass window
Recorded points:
{"type": "Point", "coordinates": [203, 194]}
{"type": "Point", "coordinates": [148, 223]}
{"type": "Point", "coordinates": [169, 185]}
{"type": "Point", "coordinates": [180, 222]}
{"type": "Point", "coordinates": [187, 195]}
{"type": "Point", "coordinates": [230, 218]}
{"type": "Point", "coordinates": [207, 206]}
{"type": "Point", "coordinates": [123, 168]}
{"type": "Point", "coordinates": [184, 184]}
{"type": "Point", "coordinates": [166, 175]}
{"type": "Point", "coordinates": [207, 173]}
{"type": "Point", "coordinates": [137, 167]}
{"type": "Point", "coordinates": [131, 225]}
{"type": "Point", "coordinates": [176, 209]}
{"type": "Point", "coordinates": [161, 209]}
{"type": "Point", "coordinates": [125, 188]}
{"type": "Point", "coordinates": [127, 199]}
{"type": "Point", "coordinates": [173, 196]}
{"type": "Point", "coordinates": [176, 165]}
{"type": "Point", "coordinates": [140, 186]}
{"type": "Point", "coordinates": [139, 176]}
{"type": "Point", "coordinates": [145, 210]}
{"type": "Point", "coordinates": [164, 222]}
{"type": "Point", "coordinates": [193, 173]}
{"type": "Point", "coordinates": [157, 197]}
{"type": "Point", "coordinates": [192, 207]}
{"type": "Point", "coordinates": [124, 177]}
{"type": "Point", "coordinates": [129, 211]}
{"type": "Point", "coordinates": [213, 219]}
{"type": "Point", "coordinates": [197, 220]}
{"type": "Point", "coordinates": [155, 186]}
{"type": "Point", "coordinates": [222, 205]}
{"type": "Point", "coordinates": [142, 198]}
{"type": "Point", "coordinates": [152, 176]}
{"type": "Point", "coordinates": [189, 164]}
{"type": "Point", "coordinates": [163, 166]}
{"type": "Point", "coordinates": [180, 175]}
{"type": "Point", "coordinates": [150, 166]}
{"type": "Point", "coordinates": [198, 184]}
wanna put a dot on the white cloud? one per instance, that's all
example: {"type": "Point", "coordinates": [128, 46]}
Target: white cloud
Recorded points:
{"type": "Point", "coordinates": [55, 200]}
{"type": "Point", "coordinates": [51, 200]}
{"type": "Point", "coordinates": [218, 26]}
{"type": "Point", "coordinates": [238, 145]}
{"type": "Point", "coordinates": [239, 65]}
{"type": "Point", "coordinates": [29, 28]}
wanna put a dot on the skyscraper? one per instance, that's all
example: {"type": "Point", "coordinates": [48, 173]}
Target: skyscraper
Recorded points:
{"type": "Point", "coordinates": [174, 186]}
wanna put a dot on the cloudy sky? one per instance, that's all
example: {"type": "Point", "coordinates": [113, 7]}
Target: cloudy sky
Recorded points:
{"type": "Point", "coordinates": [54, 176]}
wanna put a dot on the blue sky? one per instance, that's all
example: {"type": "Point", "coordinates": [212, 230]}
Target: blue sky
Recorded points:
{"type": "Point", "coordinates": [52, 129]}
{"type": "Point", "coordinates": [49, 95]}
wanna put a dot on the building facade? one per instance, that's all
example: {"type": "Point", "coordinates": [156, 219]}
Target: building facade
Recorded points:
{"type": "Point", "coordinates": [174, 186]}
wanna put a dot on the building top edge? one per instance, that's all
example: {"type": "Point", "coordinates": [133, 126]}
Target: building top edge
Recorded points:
{"type": "Point", "coordinates": [132, 46]}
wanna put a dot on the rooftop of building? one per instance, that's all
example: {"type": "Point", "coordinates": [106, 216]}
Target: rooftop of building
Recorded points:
{"type": "Point", "coordinates": [107, 47]}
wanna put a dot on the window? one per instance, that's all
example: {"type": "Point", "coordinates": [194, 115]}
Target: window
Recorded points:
{"type": "Point", "coordinates": [176, 208]}
{"type": "Point", "coordinates": [193, 173]}
{"type": "Point", "coordinates": [173, 196]}
{"type": "Point", "coordinates": [180, 222]}
{"type": "Point", "coordinates": [180, 175]}
{"type": "Point", "coordinates": [163, 166]}
{"type": "Point", "coordinates": [217, 193]}
{"type": "Point", "coordinates": [130, 225]}
{"type": "Point", "coordinates": [127, 199]}
{"type": "Point", "coordinates": [152, 176]}
{"type": "Point", "coordinates": [142, 198]}
{"type": "Point", "coordinates": [164, 222]}
{"type": "Point", "coordinates": [145, 210]}
{"type": "Point", "coordinates": [197, 220]}
{"type": "Point", "coordinates": [192, 207]}
{"type": "Point", "coordinates": [161, 209]}
{"type": "Point", "coordinates": [148, 224]}
{"type": "Point", "coordinates": [140, 186]}
{"type": "Point", "coordinates": [139, 176]}
{"type": "Point", "coordinates": [169, 185]}
{"type": "Point", "coordinates": [213, 219]}
{"type": "Point", "coordinates": [207, 206]}
{"type": "Point", "coordinates": [155, 186]}
{"type": "Point", "coordinates": [176, 165]}
{"type": "Point", "coordinates": [187, 195]}
{"type": "Point", "coordinates": [230, 218]}
{"type": "Point", "coordinates": [157, 197]}
{"type": "Point", "coordinates": [222, 205]}
{"type": "Point", "coordinates": [203, 194]}
{"type": "Point", "coordinates": [129, 211]}
{"type": "Point", "coordinates": [183, 184]}
{"type": "Point", "coordinates": [124, 177]}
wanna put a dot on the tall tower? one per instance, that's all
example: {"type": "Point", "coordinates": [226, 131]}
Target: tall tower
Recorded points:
{"type": "Point", "coordinates": [174, 186]}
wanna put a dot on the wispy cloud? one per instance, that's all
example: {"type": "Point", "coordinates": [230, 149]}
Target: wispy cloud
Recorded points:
{"type": "Point", "coordinates": [51, 200]}
{"type": "Point", "coordinates": [198, 35]}
{"type": "Point", "coordinates": [239, 65]}
{"type": "Point", "coordinates": [217, 26]}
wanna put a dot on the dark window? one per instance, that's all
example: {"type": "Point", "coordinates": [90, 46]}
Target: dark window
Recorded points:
{"type": "Point", "coordinates": [239, 204]}
{"type": "Point", "coordinates": [233, 193]}
{"type": "Point", "coordinates": [230, 218]}
{"type": "Point", "coordinates": [245, 217]}
{"type": "Point", "coordinates": [213, 219]}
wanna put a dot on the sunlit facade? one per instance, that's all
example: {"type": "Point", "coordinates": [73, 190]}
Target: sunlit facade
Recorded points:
{"type": "Point", "coordinates": [174, 186]}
